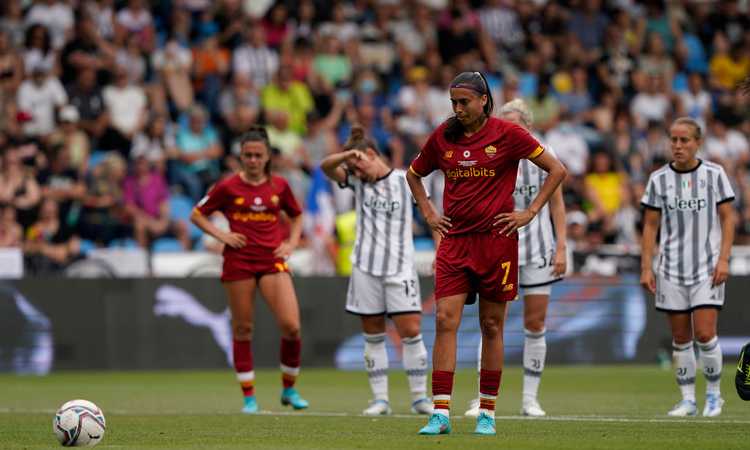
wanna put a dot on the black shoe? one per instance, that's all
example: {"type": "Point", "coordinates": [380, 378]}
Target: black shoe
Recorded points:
{"type": "Point", "coordinates": [742, 379]}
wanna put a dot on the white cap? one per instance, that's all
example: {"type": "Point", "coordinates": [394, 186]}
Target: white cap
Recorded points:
{"type": "Point", "coordinates": [577, 218]}
{"type": "Point", "coordinates": [69, 113]}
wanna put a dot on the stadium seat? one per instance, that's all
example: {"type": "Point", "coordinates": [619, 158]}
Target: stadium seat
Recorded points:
{"type": "Point", "coordinates": [180, 208]}
{"type": "Point", "coordinates": [423, 244]}
{"type": "Point", "coordinates": [123, 243]}
{"type": "Point", "coordinates": [166, 245]}
{"type": "Point", "coordinates": [96, 157]}
{"type": "Point", "coordinates": [87, 246]}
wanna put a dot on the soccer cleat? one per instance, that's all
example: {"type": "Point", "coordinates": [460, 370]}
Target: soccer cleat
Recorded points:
{"type": "Point", "coordinates": [683, 408]}
{"type": "Point", "coordinates": [473, 410]}
{"type": "Point", "coordinates": [714, 402]}
{"type": "Point", "coordinates": [485, 425]}
{"type": "Point", "coordinates": [251, 405]}
{"type": "Point", "coordinates": [742, 377]}
{"type": "Point", "coordinates": [438, 424]}
{"type": "Point", "coordinates": [422, 406]}
{"type": "Point", "coordinates": [377, 408]}
{"type": "Point", "coordinates": [532, 408]}
{"type": "Point", "coordinates": [290, 397]}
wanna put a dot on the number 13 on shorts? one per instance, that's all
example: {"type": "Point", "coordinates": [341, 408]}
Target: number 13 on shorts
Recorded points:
{"type": "Point", "coordinates": [505, 267]}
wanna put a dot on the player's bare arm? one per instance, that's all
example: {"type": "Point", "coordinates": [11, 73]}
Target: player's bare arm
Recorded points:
{"type": "Point", "coordinates": [516, 219]}
{"type": "Point", "coordinates": [721, 271]}
{"type": "Point", "coordinates": [332, 165]}
{"type": "Point", "coordinates": [651, 218]}
{"type": "Point", "coordinates": [234, 240]}
{"type": "Point", "coordinates": [439, 224]}
{"type": "Point", "coordinates": [557, 213]}
{"type": "Point", "coordinates": [295, 233]}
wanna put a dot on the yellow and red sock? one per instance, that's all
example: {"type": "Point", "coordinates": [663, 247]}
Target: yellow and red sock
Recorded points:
{"type": "Point", "coordinates": [291, 350]}
{"type": "Point", "coordinates": [442, 388]}
{"type": "Point", "coordinates": [489, 385]}
{"type": "Point", "coordinates": [243, 366]}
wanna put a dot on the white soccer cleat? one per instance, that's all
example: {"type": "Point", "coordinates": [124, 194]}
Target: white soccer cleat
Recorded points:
{"type": "Point", "coordinates": [532, 408]}
{"type": "Point", "coordinates": [422, 406]}
{"type": "Point", "coordinates": [714, 402]}
{"type": "Point", "coordinates": [684, 408]}
{"type": "Point", "coordinates": [377, 408]}
{"type": "Point", "coordinates": [473, 410]}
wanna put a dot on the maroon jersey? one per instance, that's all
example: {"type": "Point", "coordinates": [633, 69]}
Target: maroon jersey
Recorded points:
{"type": "Point", "coordinates": [253, 211]}
{"type": "Point", "coordinates": [480, 171]}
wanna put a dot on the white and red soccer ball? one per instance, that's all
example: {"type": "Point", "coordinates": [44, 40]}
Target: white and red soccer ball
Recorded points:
{"type": "Point", "coordinates": [79, 423]}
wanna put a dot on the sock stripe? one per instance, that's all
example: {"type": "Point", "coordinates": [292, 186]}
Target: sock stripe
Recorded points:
{"type": "Point", "coordinates": [377, 373]}
{"type": "Point", "coordinates": [412, 340]}
{"type": "Point", "coordinates": [294, 371]}
{"type": "Point", "coordinates": [682, 347]}
{"type": "Point", "coordinates": [534, 334]}
{"type": "Point", "coordinates": [713, 377]}
{"type": "Point", "coordinates": [416, 372]}
{"type": "Point", "coordinates": [441, 404]}
{"type": "Point", "coordinates": [374, 338]}
{"type": "Point", "coordinates": [708, 346]}
{"type": "Point", "coordinates": [245, 376]}
{"type": "Point", "coordinates": [486, 403]}
{"type": "Point", "coordinates": [532, 373]}
{"type": "Point", "coordinates": [686, 381]}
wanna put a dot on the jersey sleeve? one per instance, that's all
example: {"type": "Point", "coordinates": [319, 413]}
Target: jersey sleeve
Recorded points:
{"type": "Point", "coordinates": [215, 200]}
{"type": "Point", "coordinates": [426, 161]}
{"type": "Point", "coordinates": [651, 198]}
{"type": "Point", "coordinates": [723, 188]}
{"type": "Point", "coordinates": [521, 144]}
{"type": "Point", "coordinates": [288, 202]}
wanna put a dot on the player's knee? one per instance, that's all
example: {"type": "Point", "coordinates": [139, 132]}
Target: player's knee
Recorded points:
{"type": "Point", "coordinates": [242, 330]}
{"type": "Point", "coordinates": [491, 327]}
{"type": "Point", "coordinates": [290, 330]}
{"type": "Point", "coordinates": [534, 324]}
{"type": "Point", "coordinates": [703, 336]}
{"type": "Point", "coordinates": [446, 321]}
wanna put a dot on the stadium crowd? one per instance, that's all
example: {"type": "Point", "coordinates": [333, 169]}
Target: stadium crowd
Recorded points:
{"type": "Point", "coordinates": [117, 116]}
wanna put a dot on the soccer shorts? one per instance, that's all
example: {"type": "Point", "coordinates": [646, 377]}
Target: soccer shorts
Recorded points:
{"type": "Point", "coordinates": [672, 297]}
{"type": "Point", "coordinates": [236, 269]}
{"type": "Point", "coordinates": [370, 295]}
{"type": "Point", "coordinates": [537, 278]}
{"type": "Point", "coordinates": [486, 263]}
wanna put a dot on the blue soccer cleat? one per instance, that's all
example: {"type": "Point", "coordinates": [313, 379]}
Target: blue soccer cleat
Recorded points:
{"type": "Point", "coordinates": [438, 424]}
{"type": "Point", "coordinates": [290, 397]}
{"type": "Point", "coordinates": [251, 405]}
{"type": "Point", "coordinates": [485, 425]}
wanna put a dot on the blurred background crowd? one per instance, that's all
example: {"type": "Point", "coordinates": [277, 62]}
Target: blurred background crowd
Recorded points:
{"type": "Point", "coordinates": [117, 116]}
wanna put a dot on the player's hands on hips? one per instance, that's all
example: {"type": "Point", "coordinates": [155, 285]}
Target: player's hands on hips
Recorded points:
{"type": "Point", "coordinates": [560, 263]}
{"type": "Point", "coordinates": [648, 280]}
{"type": "Point", "coordinates": [438, 223]}
{"type": "Point", "coordinates": [284, 250]}
{"type": "Point", "coordinates": [721, 272]}
{"type": "Point", "coordinates": [513, 221]}
{"type": "Point", "coordinates": [234, 240]}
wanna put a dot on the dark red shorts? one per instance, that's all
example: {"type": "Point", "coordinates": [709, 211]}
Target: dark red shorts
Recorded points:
{"type": "Point", "coordinates": [236, 269]}
{"type": "Point", "coordinates": [486, 263]}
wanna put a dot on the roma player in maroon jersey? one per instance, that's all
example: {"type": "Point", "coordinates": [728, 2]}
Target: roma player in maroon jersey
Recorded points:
{"type": "Point", "coordinates": [255, 255]}
{"type": "Point", "coordinates": [478, 251]}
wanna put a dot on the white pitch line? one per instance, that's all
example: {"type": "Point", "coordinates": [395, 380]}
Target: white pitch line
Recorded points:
{"type": "Point", "coordinates": [603, 419]}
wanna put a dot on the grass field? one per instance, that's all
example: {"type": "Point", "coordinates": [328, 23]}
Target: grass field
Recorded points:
{"type": "Point", "coordinates": [614, 407]}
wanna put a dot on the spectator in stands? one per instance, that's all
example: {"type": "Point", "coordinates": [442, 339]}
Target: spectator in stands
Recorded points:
{"type": "Point", "coordinates": [135, 19]}
{"type": "Point", "coordinates": [651, 103]}
{"type": "Point", "coordinates": [38, 49]}
{"type": "Point", "coordinates": [40, 97]}
{"type": "Point", "coordinates": [239, 105]}
{"type": "Point", "coordinates": [291, 96]}
{"type": "Point", "coordinates": [695, 102]}
{"type": "Point", "coordinates": [127, 110]}
{"type": "Point", "coordinates": [655, 61]}
{"type": "Point", "coordinates": [88, 50]}
{"type": "Point", "coordinates": [199, 152]}
{"type": "Point", "coordinates": [569, 146]}
{"type": "Point", "coordinates": [11, 232]}
{"type": "Point", "coordinates": [277, 26]}
{"type": "Point", "coordinates": [147, 205]}
{"type": "Point", "coordinates": [728, 65]}
{"type": "Point", "coordinates": [588, 23]}
{"type": "Point", "coordinates": [331, 63]}
{"type": "Point", "coordinates": [102, 216]}
{"type": "Point", "coordinates": [11, 22]}
{"type": "Point", "coordinates": [11, 68]}
{"type": "Point", "coordinates": [578, 101]}
{"type": "Point", "coordinates": [173, 66]}
{"type": "Point", "coordinates": [56, 16]}
{"type": "Point", "coordinates": [210, 67]}
{"type": "Point", "coordinates": [86, 97]}
{"type": "Point", "coordinates": [50, 245]}
{"type": "Point", "coordinates": [254, 58]}
{"type": "Point", "coordinates": [62, 183]}
{"type": "Point", "coordinates": [157, 143]}
{"type": "Point", "coordinates": [70, 137]}
{"type": "Point", "coordinates": [18, 187]}
{"type": "Point", "coordinates": [292, 160]}
{"type": "Point", "coordinates": [130, 57]}
{"type": "Point", "coordinates": [604, 188]}
{"type": "Point", "coordinates": [726, 146]}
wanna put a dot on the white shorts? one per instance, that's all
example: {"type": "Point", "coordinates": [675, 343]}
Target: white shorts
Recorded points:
{"type": "Point", "coordinates": [369, 295]}
{"type": "Point", "coordinates": [672, 297]}
{"type": "Point", "coordinates": [536, 280]}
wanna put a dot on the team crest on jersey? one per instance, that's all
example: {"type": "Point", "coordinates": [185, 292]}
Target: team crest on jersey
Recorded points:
{"type": "Point", "coordinates": [686, 184]}
{"type": "Point", "coordinates": [239, 200]}
{"type": "Point", "coordinates": [275, 199]}
{"type": "Point", "coordinates": [467, 153]}
{"type": "Point", "coordinates": [490, 150]}
{"type": "Point", "coordinates": [448, 154]}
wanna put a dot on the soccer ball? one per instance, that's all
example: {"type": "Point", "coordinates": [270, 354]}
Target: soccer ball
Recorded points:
{"type": "Point", "coordinates": [79, 423]}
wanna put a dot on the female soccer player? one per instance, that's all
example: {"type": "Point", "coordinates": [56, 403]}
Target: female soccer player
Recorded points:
{"type": "Point", "coordinates": [690, 201]}
{"type": "Point", "coordinates": [255, 255]}
{"type": "Point", "coordinates": [542, 260]}
{"type": "Point", "coordinates": [479, 156]}
{"type": "Point", "coordinates": [383, 281]}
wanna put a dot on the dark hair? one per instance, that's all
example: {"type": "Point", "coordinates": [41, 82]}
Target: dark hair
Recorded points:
{"type": "Point", "coordinates": [359, 141]}
{"type": "Point", "coordinates": [47, 41]}
{"type": "Point", "coordinates": [258, 133]}
{"type": "Point", "coordinates": [476, 82]}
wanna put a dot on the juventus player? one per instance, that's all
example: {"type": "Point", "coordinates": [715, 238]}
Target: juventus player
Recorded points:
{"type": "Point", "coordinates": [541, 262]}
{"type": "Point", "coordinates": [384, 281]}
{"type": "Point", "coordinates": [690, 201]}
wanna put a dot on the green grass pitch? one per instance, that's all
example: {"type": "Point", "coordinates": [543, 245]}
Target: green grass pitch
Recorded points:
{"type": "Point", "coordinates": [612, 407]}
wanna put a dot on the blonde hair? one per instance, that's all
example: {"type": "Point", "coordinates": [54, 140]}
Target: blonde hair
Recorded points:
{"type": "Point", "coordinates": [519, 106]}
{"type": "Point", "coordinates": [697, 130]}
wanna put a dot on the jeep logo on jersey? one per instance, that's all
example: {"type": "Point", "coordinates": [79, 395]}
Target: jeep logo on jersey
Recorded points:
{"type": "Point", "coordinates": [693, 204]}
{"type": "Point", "coordinates": [380, 204]}
{"type": "Point", "coordinates": [526, 190]}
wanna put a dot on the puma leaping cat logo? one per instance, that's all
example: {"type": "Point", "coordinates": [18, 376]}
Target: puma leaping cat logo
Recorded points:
{"type": "Point", "coordinates": [175, 302]}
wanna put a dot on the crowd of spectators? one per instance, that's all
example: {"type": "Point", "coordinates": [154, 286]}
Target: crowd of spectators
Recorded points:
{"type": "Point", "coordinates": [112, 112]}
